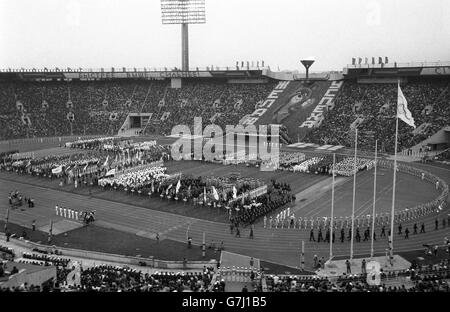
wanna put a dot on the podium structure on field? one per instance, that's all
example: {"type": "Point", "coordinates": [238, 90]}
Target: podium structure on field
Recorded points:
{"type": "Point", "coordinates": [183, 12]}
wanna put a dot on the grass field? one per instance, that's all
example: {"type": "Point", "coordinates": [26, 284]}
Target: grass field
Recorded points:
{"type": "Point", "coordinates": [313, 192]}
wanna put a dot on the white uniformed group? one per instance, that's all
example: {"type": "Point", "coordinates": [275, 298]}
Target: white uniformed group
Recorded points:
{"type": "Point", "coordinates": [67, 212]}
{"type": "Point", "coordinates": [137, 178]}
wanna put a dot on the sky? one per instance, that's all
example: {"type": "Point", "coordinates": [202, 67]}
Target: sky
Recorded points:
{"type": "Point", "coordinates": [118, 33]}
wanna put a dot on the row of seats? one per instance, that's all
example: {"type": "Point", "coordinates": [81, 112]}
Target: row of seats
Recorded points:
{"type": "Point", "coordinates": [100, 107]}
{"type": "Point", "coordinates": [374, 106]}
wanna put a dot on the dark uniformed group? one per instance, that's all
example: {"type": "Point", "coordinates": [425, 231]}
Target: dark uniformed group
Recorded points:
{"type": "Point", "coordinates": [367, 236]}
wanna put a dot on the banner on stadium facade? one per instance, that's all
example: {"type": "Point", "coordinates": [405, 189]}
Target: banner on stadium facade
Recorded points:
{"type": "Point", "coordinates": [156, 75]}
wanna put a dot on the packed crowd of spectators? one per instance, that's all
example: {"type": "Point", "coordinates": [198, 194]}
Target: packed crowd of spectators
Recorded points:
{"type": "Point", "coordinates": [375, 105]}
{"type": "Point", "coordinates": [37, 109]}
{"type": "Point", "coordinates": [445, 156]}
{"type": "Point", "coordinates": [435, 279]}
{"type": "Point", "coordinates": [105, 278]}
{"type": "Point", "coordinates": [220, 103]}
{"type": "Point", "coordinates": [54, 260]}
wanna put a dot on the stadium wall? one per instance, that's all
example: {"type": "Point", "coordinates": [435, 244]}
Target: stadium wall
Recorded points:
{"type": "Point", "coordinates": [104, 257]}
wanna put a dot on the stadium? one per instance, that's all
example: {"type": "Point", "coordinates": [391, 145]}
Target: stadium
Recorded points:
{"type": "Point", "coordinates": [105, 193]}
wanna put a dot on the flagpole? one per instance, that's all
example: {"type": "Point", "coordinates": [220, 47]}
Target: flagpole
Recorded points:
{"type": "Point", "coordinates": [391, 242]}
{"type": "Point", "coordinates": [374, 199]}
{"type": "Point", "coordinates": [7, 220]}
{"type": "Point", "coordinates": [332, 208]}
{"type": "Point", "coordinates": [50, 232]}
{"type": "Point", "coordinates": [303, 256]}
{"type": "Point", "coordinates": [354, 195]}
{"type": "Point", "coordinates": [204, 246]}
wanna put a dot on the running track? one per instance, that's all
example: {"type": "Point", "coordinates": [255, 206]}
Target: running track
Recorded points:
{"type": "Point", "coordinates": [275, 245]}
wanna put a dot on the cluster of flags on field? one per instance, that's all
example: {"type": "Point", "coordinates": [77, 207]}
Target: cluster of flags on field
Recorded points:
{"type": "Point", "coordinates": [126, 157]}
{"type": "Point", "coordinates": [214, 192]}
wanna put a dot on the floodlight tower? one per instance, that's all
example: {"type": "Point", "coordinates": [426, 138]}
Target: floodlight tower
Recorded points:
{"type": "Point", "coordinates": [183, 12]}
{"type": "Point", "coordinates": [307, 63]}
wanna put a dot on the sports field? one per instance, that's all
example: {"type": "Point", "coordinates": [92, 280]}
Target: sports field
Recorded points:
{"type": "Point", "coordinates": [139, 218]}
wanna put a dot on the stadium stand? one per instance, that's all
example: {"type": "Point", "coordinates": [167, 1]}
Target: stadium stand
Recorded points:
{"type": "Point", "coordinates": [38, 109]}
{"type": "Point", "coordinates": [372, 106]}
{"type": "Point", "coordinates": [424, 279]}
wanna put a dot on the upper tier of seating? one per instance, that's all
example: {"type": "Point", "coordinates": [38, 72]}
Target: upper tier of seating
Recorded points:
{"type": "Point", "coordinates": [41, 109]}
{"type": "Point", "coordinates": [373, 105]}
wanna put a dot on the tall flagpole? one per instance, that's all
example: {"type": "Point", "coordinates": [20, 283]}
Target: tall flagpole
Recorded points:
{"type": "Point", "coordinates": [7, 220]}
{"type": "Point", "coordinates": [50, 232]}
{"type": "Point", "coordinates": [374, 199]}
{"type": "Point", "coordinates": [354, 195]}
{"type": "Point", "coordinates": [332, 208]}
{"type": "Point", "coordinates": [391, 238]}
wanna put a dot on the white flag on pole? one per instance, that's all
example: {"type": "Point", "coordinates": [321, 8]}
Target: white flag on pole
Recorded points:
{"type": "Point", "coordinates": [106, 161]}
{"type": "Point", "coordinates": [168, 189]}
{"type": "Point", "coordinates": [111, 172]}
{"type": "Point", "coordinates": [57, 170]}
{"type": "Point", "coordinates": [178, 187]}
{"type": "Point", "coordinates": [402, 109]}
{"type": "Point", "coordinates": [215, 194]}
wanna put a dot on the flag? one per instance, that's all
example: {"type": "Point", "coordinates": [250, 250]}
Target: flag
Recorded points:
{"type": "Point", "coordinates": [215, 194]}
{"type": "Point", "coordinates": [167, 191]}
{"type": "Point", "coordinates": [402, 109]}
{"type": "Point", "coordinates": [178, 187]}
{"type": "Point", "coordinates": [50, 231]}
{"type": "Point", "coordinates": [106, 162]}
{"type": "Point", "coordinates": [234, 192]}
{"type": "Point", "coordinates": [111, 172]}
{"type": "Point", "coordinates": [57, 170]}
{"type": "Point", "coordinates": [67, 168]}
